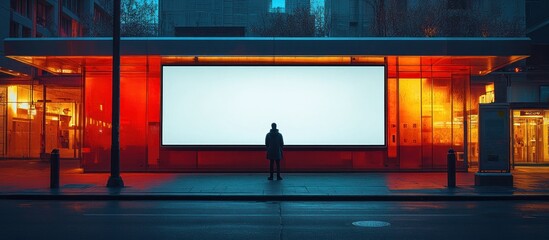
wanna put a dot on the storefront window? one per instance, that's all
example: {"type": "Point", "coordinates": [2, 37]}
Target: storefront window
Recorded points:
{"type": "Point", "coordinates": [432, 108]}
{"type": "Point", "coordinates": [482, 92]}
{"type": "Point", "coordinates": [22, 122]}
{"type": "Point", "coordinates": [530, 136]}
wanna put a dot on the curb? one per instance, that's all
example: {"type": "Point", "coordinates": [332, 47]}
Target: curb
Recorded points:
{"type": "Point", "coordinates": [266, 198]}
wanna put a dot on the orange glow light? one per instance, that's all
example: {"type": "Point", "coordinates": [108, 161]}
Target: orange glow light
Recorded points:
{"type": "Point", "coordinates": [12, 99]}
{"type": "Point", "coordinates": [274, 59]}
{"type": "Point", "coordinates": [489, 87]}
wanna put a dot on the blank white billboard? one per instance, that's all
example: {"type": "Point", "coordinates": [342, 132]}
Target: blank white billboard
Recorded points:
{"type": "Point", "coordinates": [235, 105]}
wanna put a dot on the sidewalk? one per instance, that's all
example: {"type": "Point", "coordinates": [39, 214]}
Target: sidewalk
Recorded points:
{"type": "Point", "coordinates": [30, 180]}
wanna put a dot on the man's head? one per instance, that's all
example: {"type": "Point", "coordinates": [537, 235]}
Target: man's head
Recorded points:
{"type": "Point", "coordinates": [273, 125]}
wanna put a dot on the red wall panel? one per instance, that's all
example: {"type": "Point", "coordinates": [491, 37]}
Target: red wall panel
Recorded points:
{"type": "Point", "coordinates": [133, 121]}
{"type": "Point", "coordinates": [141, 126]}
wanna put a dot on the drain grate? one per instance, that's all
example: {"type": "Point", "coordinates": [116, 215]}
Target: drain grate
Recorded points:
{"type": "Point", "coordinates": [371, 224]}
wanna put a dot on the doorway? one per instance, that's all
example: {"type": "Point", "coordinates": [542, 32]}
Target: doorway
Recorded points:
{"type": "Point", "coordinates": [30, 125]}
{"type": "Point", "coordinates": [530, 137]}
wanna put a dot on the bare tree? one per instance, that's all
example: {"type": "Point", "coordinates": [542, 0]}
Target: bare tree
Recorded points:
{"type": "Point", "coordinates": [138, 18]}
{"type": "Point", "coordinates": [379, 26]}
{"type": "Point", "coordinates": [93, 27]}
{"type": "Point", "coordinates": [427, 20]}
{"type": "Point", "coordinates": [323, 23]}
{"type": "Point", "coordinates": [300, 23]}
{"type": "Point", "coordinates": [270, 25]}
{"type": "Point", "coordinates": [432, 18]}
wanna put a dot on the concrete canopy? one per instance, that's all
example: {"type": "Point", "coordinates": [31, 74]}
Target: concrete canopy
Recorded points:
{"type": "Point", "coordinates": [67, 55]}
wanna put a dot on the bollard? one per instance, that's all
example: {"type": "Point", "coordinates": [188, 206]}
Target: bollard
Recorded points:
{"type": "Point", "coordinates": [54, 168]}
{"type": "Point", "coordinates": [451, 158]}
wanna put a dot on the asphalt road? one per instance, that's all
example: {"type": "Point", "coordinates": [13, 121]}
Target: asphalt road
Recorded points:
{"type": "Point", "coordinates": [273, 220]}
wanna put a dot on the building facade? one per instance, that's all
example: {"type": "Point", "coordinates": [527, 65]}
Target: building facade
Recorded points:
{"type": "Point", "coordinates": [453, 18]}
{"type": "Point", "coordinates": [432, 98]}
{"type": "Point", "coordinates": [52, 126]}
{"type": "Point", "coordinates": [190, 18]}
{"type": "Point", "coordinates": [293, 5]}
{"type": "Point", "coordinates": [431, 103]}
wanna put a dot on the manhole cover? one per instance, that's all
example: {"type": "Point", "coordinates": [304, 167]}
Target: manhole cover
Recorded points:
{"type": "Point", "coordinates": [371, 224]}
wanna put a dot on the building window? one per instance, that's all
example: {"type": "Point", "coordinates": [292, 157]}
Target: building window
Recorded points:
{"type": "Point", "coordinates": [72, 5]}
{"type": "Point", "coordinates": [66, 26]}
{"type": "Point", "coordinates": [27, 33]}
{"type": "Point", "coordinates": [41, 18]}
{"type": "Point", "coordinates": [21, 6]}
{"type": "Point", "coordinates": [14, 29]}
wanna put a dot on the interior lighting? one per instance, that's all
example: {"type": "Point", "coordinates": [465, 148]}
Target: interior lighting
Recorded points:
{"type": "Point", "coordinates": [274, 59]}
{"type": "Point", "coordinates": [24, 106]}
{"type": "Point", "coordinates": [11, 72]}
{"type": "Point", "coordinates": [489, 87]}
{"type": "Point", "coordinates": [33, 110]}
{"type": "Point", "coordinates": [12, 99]}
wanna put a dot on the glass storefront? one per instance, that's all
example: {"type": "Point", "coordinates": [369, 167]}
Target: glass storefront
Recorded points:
{"type": "Point", "coordinates": [479, 92]}
{"type": "Point", "coordinates": [30, 126]}
{"type": "Point", "coordinates": [431, 106]}
{"type": "Point", "coordinates": [429, 110]}
{"type": "Point", "coordinates": [530, 137]}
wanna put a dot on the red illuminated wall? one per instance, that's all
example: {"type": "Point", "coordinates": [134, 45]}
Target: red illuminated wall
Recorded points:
{"type": "Point", "coordinates": [424, 106]}
{"type": "Point", "coordinates": [134, 83]}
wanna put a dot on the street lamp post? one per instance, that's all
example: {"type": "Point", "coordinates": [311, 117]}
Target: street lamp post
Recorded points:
{"type": "Point", "coordinates": [115, 181]}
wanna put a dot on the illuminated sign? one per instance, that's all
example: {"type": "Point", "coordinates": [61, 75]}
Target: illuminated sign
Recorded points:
{"type": "Point", "coordinates": [235, 105]}
{"type": "Point", "coordinates": [531, 113]}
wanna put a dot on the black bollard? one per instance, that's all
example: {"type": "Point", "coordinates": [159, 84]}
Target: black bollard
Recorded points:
{"type": "Point", "coordinates": [54, 168]}
{"type": "Point", "coordinates": [451, 168]}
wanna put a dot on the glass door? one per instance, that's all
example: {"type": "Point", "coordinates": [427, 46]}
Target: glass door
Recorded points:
{"type": "Point", "coordinates": [61, 129]}
{"type": "Point", "coordinates": [530, 137]}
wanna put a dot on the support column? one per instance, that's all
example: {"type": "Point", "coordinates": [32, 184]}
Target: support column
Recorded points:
{"type": "Point", "coordinates": [43, 155]}
{"type": "Point", "coordinates": [115, 180]}
{"type": "Point", "coordinates": [500, 89]}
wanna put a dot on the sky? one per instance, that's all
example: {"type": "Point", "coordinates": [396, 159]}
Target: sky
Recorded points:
{"type": "Point", "coordinates": [277, 3]}
{"type": "Point", "coordinates": [280, 3]}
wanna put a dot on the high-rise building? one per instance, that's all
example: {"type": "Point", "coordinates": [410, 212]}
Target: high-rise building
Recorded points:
{"type": "Point", "coordinates": [67, 18]}
{"type": "Point", "coordinates": [210, 18]}
{"type": "Point", "coordinates": [293, 5]}
{"type": "Point", "coordinates": [39, 128]}
{"type": "Point", "coordinates": [348, 18]}
{"type": "Point", "coordinates": [362, 18]}
{"type": "Point", "coordinates": [537, 20]}
{"type": "Point", "coordinates": [51, 18]}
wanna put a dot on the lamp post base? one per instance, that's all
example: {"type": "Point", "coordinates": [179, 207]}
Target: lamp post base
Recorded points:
{"type": "Point", "coordinates": [115, 182]}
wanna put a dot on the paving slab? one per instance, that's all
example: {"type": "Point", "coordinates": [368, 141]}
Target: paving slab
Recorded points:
{"type": "Point", "coordinates": [26, 179]}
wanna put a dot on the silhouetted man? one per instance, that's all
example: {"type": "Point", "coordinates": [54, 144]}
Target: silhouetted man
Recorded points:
{"type": "Point", "coordinates": [274, 144]}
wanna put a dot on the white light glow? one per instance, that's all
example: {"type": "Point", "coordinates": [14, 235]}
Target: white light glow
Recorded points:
{"type": "Point", "coordinates": [235, 105]}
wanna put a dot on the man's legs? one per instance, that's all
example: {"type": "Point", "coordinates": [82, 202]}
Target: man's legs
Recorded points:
{"type": "Point", "coordinates": [278, 177]}
{"type": "Point", "coordinates": [271, 169]}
